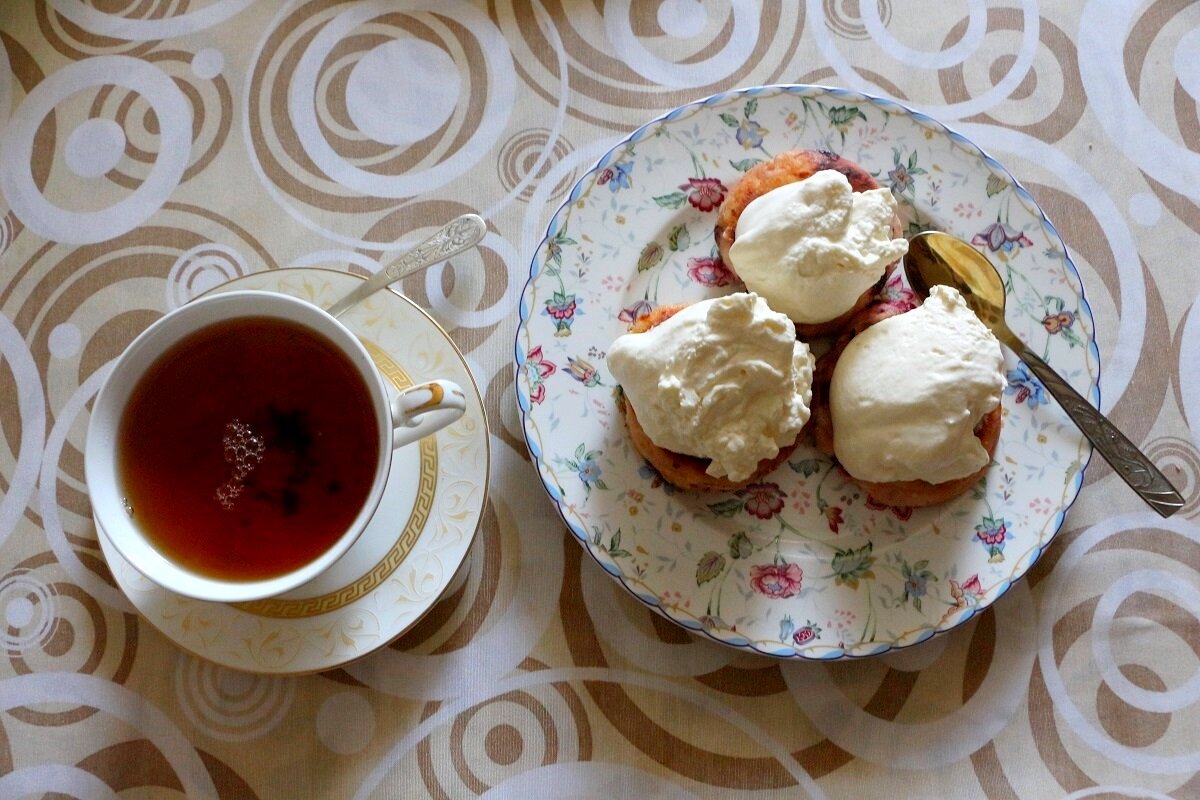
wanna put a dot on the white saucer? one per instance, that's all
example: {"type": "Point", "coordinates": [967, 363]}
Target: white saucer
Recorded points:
{"type": "Point", "coordinates": [410, 551]}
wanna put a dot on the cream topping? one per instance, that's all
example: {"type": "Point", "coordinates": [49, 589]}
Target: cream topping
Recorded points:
{"type": "Point", "coordinates": [723, 379]}
{"type": "Point", "coordinates": [907, 393]}
{"type": "Point", "coordinates": [812, 247]}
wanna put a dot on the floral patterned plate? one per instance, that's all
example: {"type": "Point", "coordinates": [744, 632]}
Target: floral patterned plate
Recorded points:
{"type": "Point", "coordinates": [800, 564]}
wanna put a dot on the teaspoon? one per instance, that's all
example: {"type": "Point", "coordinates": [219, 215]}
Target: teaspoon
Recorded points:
{"type": "Point", "coordinates": [936, 258]}
{"type": "Point", "coordinates": [456, 236]}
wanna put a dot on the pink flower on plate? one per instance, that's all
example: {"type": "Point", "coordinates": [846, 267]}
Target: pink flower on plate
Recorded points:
{"type": "Point", "coordinates": [993, 533]}
{"type": "Point", "coordinates": [896, 295]}
{"type": "Point", "coordinates": [805, 634]}
{"type": "Point", "coordinates": [709, 271]}
{"type": "Point", "coordinates": [969, 592]}
{"type": "Point", "coordinates": [777, 581]}
{"type": "Point", "coordinates": [538, 369]}
{"type": "Point", "coordinates": [763, 500]}
{"type": "Point", "coordinates": [704, 193]}
{"type": "Point", "coordinates": [1057, 323]}
{"type": "Point", "coordinates": [999, 237]}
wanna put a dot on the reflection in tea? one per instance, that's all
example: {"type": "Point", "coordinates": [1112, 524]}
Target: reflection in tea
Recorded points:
{"type": "Point", "coordinates": [248, 448]}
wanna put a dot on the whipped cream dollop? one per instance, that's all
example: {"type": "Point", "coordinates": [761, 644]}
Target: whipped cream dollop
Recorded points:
{"type": "Point", "coordinates": [812, 247]}
{"type": "Point", "coordinates": [907, 393]}
{"type": "Point", "coordinates": [723, 379]}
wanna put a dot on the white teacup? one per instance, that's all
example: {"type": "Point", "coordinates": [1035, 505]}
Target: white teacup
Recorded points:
{"type": "Point", "coordinates": [401, 419]}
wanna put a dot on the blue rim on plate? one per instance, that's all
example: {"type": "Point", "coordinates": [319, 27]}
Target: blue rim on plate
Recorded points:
{"type": "Point", "coordinates": [619, 213]}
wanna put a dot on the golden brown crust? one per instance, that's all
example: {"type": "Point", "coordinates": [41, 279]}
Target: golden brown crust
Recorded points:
{"type": "Point", "coordinates": [893, 493]}
{"type": "Point", "coordinates": [789, 167]}
{"type": "Point", "coordinates": [923, 493]}
{"type": "Point", "coordinates": [689, 472]}
{"type": "Point", "coordinates": [681, 470]}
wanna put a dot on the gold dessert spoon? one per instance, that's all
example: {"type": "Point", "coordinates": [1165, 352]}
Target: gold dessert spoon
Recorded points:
{"type": "Point", "coordinates": [936, 258]}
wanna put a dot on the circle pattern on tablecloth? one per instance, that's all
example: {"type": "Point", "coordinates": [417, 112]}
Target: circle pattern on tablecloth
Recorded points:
{"type": "Point", "coordinates": [534, 674]}
{"type": "Point", "coordinates": [384, 103]}
{"type": "Point", "coordinates": [51, 219]}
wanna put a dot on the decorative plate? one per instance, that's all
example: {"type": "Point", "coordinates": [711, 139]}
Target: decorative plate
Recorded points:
{"type": "Point", "coordinates": [410, 551]}
{"type": "Point", "coordinates": [800, 565]}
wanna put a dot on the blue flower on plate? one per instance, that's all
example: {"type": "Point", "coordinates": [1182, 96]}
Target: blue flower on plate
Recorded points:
{"type": "Point", "coordinates": [1026, 387]}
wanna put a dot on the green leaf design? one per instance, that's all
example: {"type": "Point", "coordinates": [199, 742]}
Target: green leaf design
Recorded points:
{"type": "Point", "coordinates": [740, 546]}
{"type": "Point", "coordinates": [726, 508]}
{"type": "Point", "coordinates": [995, 185]}
{"type": "Point", "coordinates": [580, 452]}
{"type": "Point", "coordinates": [841, 116]}
{"type": "Point", "coordinates": [745, 164]}
{"type": "Point", "coordinates": [851, 565]}
{"type": "Point", "coordinates": [710, 566]}
{"type": "Point", "coordinates": [672, 200]}
{"type": "Point", "coordinates": [806, 467]}
{"type": "Point", "coordinates": [730, 120]}
{"type": "Point", "coordinates": [751, 107]}
{"type": "Point", "coordinates": [650, 257]}
{"type": "Point", "coordinates": [679, 238]}
{"type": "Point", "coordinates": [614, 544]}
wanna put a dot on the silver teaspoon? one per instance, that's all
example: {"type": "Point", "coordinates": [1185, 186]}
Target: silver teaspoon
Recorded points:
{"type": "Point", "coordinates": [456, 236]}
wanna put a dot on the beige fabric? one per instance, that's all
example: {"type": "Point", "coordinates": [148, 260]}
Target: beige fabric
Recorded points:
{"type": "Point", "coordinates": [240, 138]}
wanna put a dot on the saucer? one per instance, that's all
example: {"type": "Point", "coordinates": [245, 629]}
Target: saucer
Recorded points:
{"type": "Point", "coordinates": [408, 554]}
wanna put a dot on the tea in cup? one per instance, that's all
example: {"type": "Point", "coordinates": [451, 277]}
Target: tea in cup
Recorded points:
{"type": "Point", "coordinates": [242, 442]}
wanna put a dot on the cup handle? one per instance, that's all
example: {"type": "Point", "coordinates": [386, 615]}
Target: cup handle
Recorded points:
{"type": "Point", "coordinates": [422, 409]}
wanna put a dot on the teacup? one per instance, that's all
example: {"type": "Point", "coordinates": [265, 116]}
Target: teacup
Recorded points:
{"type": "Point", "coordinates": [242, 443]}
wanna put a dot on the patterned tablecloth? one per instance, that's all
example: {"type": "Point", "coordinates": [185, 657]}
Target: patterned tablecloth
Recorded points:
{"type": "Point", "coordinates": [154, 150]}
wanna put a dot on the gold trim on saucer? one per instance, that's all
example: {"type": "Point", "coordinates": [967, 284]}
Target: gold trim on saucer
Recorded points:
{"type": "Point", "coordinates": [285, 608]}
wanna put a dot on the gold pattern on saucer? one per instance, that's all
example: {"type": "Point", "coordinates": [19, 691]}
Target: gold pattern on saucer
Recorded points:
{"type": "Point", "coordinates": [284, 608]}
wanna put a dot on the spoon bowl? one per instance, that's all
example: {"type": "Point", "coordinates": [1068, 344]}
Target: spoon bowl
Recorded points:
{"type": "Point", "coordinates": [936, 258]}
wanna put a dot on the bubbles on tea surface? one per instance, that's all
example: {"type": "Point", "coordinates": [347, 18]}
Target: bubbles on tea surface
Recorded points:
{"type": "Point", "coordinates": [243, 450]}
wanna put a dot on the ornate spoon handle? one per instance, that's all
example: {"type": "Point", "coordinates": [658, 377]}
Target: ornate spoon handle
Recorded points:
{"type": "Point", "coordinates": [1128, 461]}
{"type": "Point", "coordinates": [456, 236]}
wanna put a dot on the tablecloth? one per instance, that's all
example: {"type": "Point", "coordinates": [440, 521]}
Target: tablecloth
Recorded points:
{"type": "Point", "coordinates": [153, 150]}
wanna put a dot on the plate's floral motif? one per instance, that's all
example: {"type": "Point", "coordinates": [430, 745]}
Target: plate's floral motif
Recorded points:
{"type": "Point", "coordinates": [800, 564]}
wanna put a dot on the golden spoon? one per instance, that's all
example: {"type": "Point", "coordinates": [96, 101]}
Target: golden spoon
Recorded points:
{"type": "Point", "coordinates": [936, 258]}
